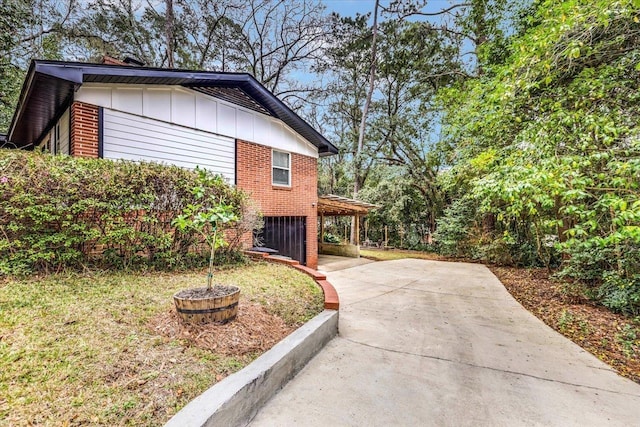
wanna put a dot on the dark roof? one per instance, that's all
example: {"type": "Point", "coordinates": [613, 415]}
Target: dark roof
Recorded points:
{"type": "Point", "coordinates": [234, 95]}
{"type": "Point", "coordinates": [49, 87]}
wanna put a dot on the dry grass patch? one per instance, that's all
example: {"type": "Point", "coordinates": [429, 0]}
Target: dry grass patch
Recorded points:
{"type": "Point", "coordinates": [107, 349]}
{"type": "Point", "coordinates": [389, 255]}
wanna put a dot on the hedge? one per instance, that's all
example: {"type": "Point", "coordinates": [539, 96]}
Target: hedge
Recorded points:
{"type": "Point", "coordinates": [60, 212]}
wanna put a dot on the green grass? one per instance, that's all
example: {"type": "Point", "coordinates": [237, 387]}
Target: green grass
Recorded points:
{"type": "Point", "coordinates": [389, 255]}
{"type": "Point", "coordinates": [77, 349]}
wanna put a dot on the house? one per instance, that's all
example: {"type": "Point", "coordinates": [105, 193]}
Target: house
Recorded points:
{"type": "Point", "coordinates": [227, 123]}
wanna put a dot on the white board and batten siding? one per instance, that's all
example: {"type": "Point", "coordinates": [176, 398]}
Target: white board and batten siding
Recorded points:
{"type": "Point", "coordinates": [64, 133]}
{"type": "Point", "coordinates": [175, 125]}
{"type": "Point", "coordinates": [130, 137]}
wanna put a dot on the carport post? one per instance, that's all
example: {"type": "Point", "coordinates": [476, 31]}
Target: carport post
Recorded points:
{"type": "Point", "coordinates": [386, 236]}
{"type": "Point", "coordinates": [366, 230]}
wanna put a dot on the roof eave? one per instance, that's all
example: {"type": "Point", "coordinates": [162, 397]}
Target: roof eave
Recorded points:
{"type": "Point", "coordinates": [76, 74]}
{"type": "Point", "coordinates": [24, 92]}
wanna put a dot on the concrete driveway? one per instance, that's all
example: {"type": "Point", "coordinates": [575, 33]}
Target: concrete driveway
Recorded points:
{"type": "Point", "coordinates": [428, 343]}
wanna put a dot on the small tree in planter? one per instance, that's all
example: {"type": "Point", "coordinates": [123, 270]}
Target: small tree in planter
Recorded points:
{"type": "Point", "coordinates": [208, 219]}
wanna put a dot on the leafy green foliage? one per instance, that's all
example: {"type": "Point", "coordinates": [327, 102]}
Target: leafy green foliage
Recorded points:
{"type": "Point", "coordinates": [208, 216]}
{"type": "Point", "coordinates": [330, 238]}
{"type": "Point", "coordinates": [28, 29]}
{"type": "Point", "coordinates": [59, 211]}
{"type": "Point", "coordinates": [547, 147]}
{"type": "Point", "coordinates": [454, 228]}
{"type": "Point", "coordinates": [403, 210]}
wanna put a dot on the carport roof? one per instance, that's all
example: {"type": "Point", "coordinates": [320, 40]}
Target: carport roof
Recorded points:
{"type": "Point", "coordinates": [49, 87]}
{"type": "Point", "coordinates": [332, 205]}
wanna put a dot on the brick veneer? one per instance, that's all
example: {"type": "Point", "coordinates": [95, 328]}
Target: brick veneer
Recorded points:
{"type": "Point", "coordinates": [253, 175]}
{"type": "Point", "coordinates": [84, 130]}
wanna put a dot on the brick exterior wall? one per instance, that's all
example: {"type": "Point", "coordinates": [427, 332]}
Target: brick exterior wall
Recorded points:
{"type": "Point", "coordinates": [83, 135]}
{"type": "Point", "coordinates": [253, 175]}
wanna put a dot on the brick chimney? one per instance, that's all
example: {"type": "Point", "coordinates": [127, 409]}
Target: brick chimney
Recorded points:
{"type": "Point", "coordinates": [128, 61]}
{"type": "Point", "coordinates": [110, 60]}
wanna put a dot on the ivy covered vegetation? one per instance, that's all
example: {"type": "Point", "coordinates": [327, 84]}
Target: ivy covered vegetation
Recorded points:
{"type": "Point", "coordinates": [59, 212]}
{"type": "Point", "coordinates": [545, 151]}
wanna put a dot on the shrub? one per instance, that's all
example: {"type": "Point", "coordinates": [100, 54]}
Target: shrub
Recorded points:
{"type": "Point", "coordinates": [620, 294]}
{"type": "Point", "coordinates": [609, 269]}
{"type": "Point", "coordinates": [454, 231]}
{"type": "Point", "coordinates": [330, 238]}
{"type": "Point", "coordinates": [61, 212]}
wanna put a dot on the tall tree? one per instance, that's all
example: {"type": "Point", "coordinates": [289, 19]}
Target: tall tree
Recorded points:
{"type": "Point", "coordinates": [385, 97]}
{"type": "Point", "coordinates": [275, 40]}
{"type": "Point", "coordinates": [367, 102]}
{"type": "Point", "coordinates": [123, 28]}
{"type": "Point", "coordinates": [28, 29]}
{"type": "Point", "coordinates": [169, 31]}
{"type": "Point", "coordinates": [416, 61]}
{"type": "Point", "coordinates": [348, 61]}
{"type": "Point", "coordinates": [357, 164]}
{"type": "Point", "coordinates": [548, 144]}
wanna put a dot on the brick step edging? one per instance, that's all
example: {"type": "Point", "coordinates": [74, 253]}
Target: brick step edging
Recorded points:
{"type": "Point", "coordinates": [331, 299]}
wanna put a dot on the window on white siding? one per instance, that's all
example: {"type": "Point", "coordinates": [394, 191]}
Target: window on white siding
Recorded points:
{"type": "Point", "coordinates": [55, 149]}
{"type": "Point", "coordinates": [281, 168]}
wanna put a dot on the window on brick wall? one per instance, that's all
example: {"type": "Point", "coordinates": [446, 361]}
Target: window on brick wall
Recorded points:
{"type": "Point", "coordinates": [281, 168]}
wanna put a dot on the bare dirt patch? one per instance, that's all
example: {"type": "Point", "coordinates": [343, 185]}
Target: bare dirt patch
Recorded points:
{"type": "Point", "coordinates": [613, 338]}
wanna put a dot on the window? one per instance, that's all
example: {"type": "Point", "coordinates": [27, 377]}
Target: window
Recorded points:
{"type": "Point", "coordinates": [281, 168]}
{"type": "Point", "coordinates": [55, 147]}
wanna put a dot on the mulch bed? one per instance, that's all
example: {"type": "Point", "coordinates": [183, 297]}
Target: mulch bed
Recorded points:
{"type": "Point", "coordinates": [253, 331]}
{"type": "Point", "coordinates": [201, 293]}
{"type": "Point", "coordinates": [613, 338]}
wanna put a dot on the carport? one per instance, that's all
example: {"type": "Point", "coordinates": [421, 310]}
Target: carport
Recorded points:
{"type": "Point", "coordinates": [332, 205]}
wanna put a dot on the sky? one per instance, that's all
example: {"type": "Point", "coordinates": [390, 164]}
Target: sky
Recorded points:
{"type": "Point", "coordinates": [349, 7]}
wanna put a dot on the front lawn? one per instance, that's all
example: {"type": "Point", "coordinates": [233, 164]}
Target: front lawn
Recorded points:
{"type": "Point", "coordinates": [107, 349]}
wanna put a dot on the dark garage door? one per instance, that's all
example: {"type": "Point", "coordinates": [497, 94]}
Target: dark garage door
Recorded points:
{"type": "Point", "coordinates": [288, 235]}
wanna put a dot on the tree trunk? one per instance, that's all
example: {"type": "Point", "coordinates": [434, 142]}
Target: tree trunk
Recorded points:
{"type": "Point", "coordinates": [169, 21]}
{"type": "Point", "coordinates": [365, 109]}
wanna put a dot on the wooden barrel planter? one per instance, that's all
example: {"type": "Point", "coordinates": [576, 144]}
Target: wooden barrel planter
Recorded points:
{"type": "Point", "coordinates": [201, 305]}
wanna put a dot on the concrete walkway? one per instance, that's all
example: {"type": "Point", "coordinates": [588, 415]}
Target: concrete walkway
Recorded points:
{"type": "Point", "coordinates": [329, 263]}
{"type": "Point", "coordinates": [428, 343]}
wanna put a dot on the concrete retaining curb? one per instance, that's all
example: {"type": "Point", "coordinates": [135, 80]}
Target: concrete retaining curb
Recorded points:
{"type": "Point", "coordinates": [236, 399]}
